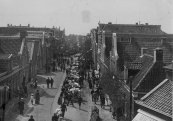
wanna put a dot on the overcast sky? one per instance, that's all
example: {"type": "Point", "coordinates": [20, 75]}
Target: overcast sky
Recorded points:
{"type": "Point", "coordinates": [80, 16]}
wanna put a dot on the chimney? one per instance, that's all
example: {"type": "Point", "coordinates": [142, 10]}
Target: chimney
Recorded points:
{"type": "Point", "coordinates": [8, 25]}
{"type": "Point", "coordinates": [28, 25]}
{"type": "Point", "coordinates": [109, 22]}
{"type": "Point", "coordinates": [20, 25]}
{"type": "Point", "coordinates": [158, 55]}
{"type": "Point", "coordinates": [143, 51]}
{"type": "Point", "coordinates": [23, 34]}
{"type": "Point", "coordinates": [136, 23]}
{"type": "Point", "coordinates": [11, 24]}
{"type": "Point", "coordinates": [125, 73]}
{"type": "Point", "coordinates": [163, 40]}
{"type": "Point", "coordinates": [146, 23]}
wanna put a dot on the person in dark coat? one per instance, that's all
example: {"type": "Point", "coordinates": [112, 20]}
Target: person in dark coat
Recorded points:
{"type": "Point", "coordinates": [31, 118]}
{"type": "Point", "coordinates": [21, 106]}
{"type": "Point", "coordinates": [70, 98]}
{"type": "Point", "coordinates": [25, 90]}
{"type": "Point", "coordinates": [35, 84]}
{"type": "Point", "coordinates": [63, 109]}
{"type": "Point", "coordinates": [79, 100]}
{"type": "Point", "coordinates": [47, 82]}
{"type": "Point", "coordinates": [102, 99]}
{"type": "Point", "coordinates": [92, 92]}
{"type": "Point", "coordinates": [37, 97]}
{"type": "Point", "coordinates": [55, 117]}
{"type": "Point", "coordinates": [51, 82]}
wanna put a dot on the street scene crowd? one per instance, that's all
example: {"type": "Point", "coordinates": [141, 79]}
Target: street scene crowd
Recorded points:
{"type": "Point", "coordinates": [77, 71]}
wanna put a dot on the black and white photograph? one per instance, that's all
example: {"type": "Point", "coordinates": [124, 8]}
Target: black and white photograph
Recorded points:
{"type": "Point", "coordinates": [86, 60]}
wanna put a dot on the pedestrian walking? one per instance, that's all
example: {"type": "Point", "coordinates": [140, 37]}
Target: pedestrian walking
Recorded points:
{"type": "Point", "coordinates": [92, 92]}
{"type": "Point", "coordinates": [63, 109]}
{"type": "Point", "coordinates": [37, 97]}
{"type": "Point", "coordinates": [25, 90]}
{"type": "Point", "coordinates": [21, 106]}
{"type": "Point", "coordinates": [95, 97]}
{"type": "Point", "coordinates": [32, 99]}
{"type": "Point", "coordinates": [51, 82]}
{"type": "Point", "coordinates": [31, 118]}
{"type": "Point", "coordinates": [55, 117]}
{"type": "Point", "coordinates": [102, 100]}
{"type": "Point", "coordinates": [35, 84]}
{"type": "Point", "coordinates": [47, 82]}
{"type": "Point", "coordinates": [79, 100]}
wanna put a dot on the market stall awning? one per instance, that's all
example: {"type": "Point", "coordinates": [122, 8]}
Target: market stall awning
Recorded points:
{"type": "Point", "coordinates": [144, 116]}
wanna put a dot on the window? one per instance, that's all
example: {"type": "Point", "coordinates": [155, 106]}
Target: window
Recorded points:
{"type": "Point", "coordinates": [124, 39]}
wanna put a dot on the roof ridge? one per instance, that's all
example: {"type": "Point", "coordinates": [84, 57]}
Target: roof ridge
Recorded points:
{"type": "Point", "coordinates": [145, 74]}
{"type": "Point", "coordinates": [153, 90]}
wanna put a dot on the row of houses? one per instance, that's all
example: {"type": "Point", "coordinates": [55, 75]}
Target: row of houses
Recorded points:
{"type": "Point", "coordinates": [136, 56]}
{"type": "Point", "coordinates": [24, 51]}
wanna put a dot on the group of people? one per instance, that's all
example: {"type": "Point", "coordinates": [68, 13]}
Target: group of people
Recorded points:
{"type": "Point", "coordinates": [96, 90]}
{"type": "Point", "coordinates": [49, 81]}
{"type": "Point", "coordinates": [70, 92]}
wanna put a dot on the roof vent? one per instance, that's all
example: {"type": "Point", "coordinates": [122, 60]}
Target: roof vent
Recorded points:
{"type": "Point", "coordinates": [146, 23]}
{"type": "Point", "coordinates": [109, 22]}
{"type": "Point", "coordinates": [136, 23]}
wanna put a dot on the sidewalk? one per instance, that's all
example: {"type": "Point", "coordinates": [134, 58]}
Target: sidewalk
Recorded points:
{"type": "Point", "coordinates": [12, 111]}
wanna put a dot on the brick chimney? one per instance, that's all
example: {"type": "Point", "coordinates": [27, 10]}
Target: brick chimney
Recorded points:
{"type": "Point", "coordinates": [23, 34]}
{"type": "Point", "coordinates": [158, 55]}
{"type": "Point", "coordinates": [28, 25]}
{"type": "Point", "coordinates": [143, 51]}
{"type": "Point", "coordinates": [8, 25]}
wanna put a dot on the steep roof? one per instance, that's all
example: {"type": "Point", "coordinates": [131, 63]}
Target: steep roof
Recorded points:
{"type": "Point", "coordinates": [147, 64]}
{"type": "Point", "coordinates": [159, 99]}
{"type": "Point", "coordinates": [11, 45]}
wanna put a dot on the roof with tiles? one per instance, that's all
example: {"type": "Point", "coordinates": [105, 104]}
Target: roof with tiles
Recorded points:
{"type": "Point", "coordinates": [129, 51]}
{"type": "Point", "coordinates": [134, 66]}
{"type": "Point", "coordinates": [159, 99]}
{"type": "Point", "coordinates": [11, 45]}
{"type": "Point", "coordinates": [147, 64]}
{"type": "Point", "coordinates": [131, 28]}
{"type": "Point", "coordinates": [142, 63]}
{"type": "Point", "coordinates": [5, 56]}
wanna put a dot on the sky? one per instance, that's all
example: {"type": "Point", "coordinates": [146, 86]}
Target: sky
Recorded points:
{"type": "Point", "coordinates": [80, 16]}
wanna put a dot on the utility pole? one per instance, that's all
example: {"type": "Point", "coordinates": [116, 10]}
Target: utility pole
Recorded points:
{"type": "Point", "coordinates": [3, 105]}
{"type": "Point", "coordinates": [130, 79]}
